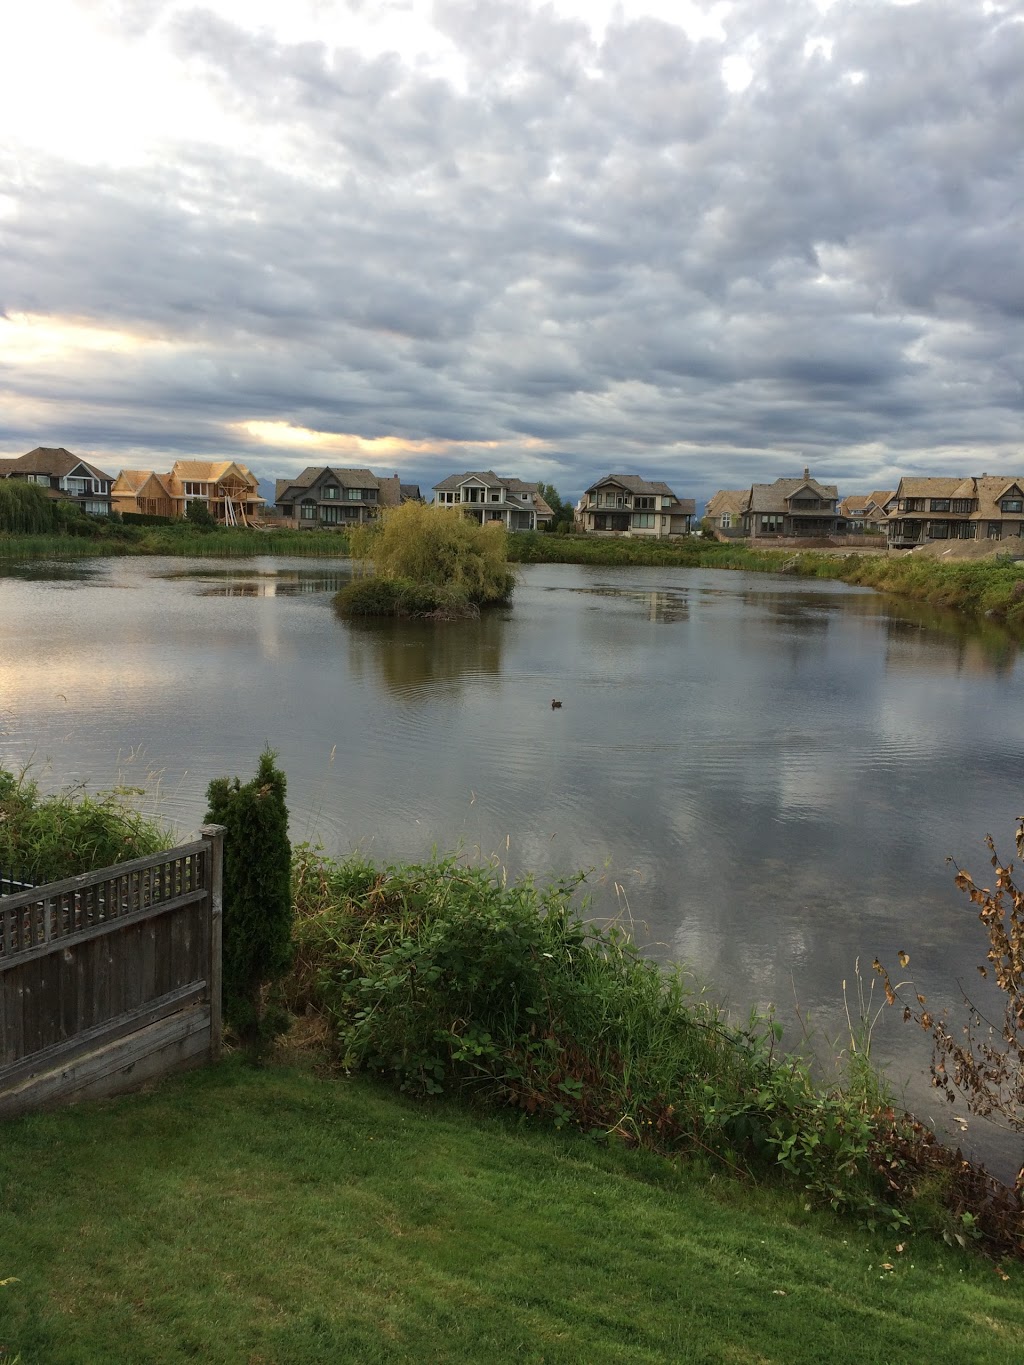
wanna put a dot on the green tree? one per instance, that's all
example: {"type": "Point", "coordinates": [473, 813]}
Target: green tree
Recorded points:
{"type": "Point", "coordinates": [24, 508]}
{"type": "Point", "coordinates": [198, 514]}
{"type": "Point", "coordinates": [438, 547]}
{"type": "Point", "coordinates": [257, 900]}
{"type": "Point", "coordinates": [563, 510]}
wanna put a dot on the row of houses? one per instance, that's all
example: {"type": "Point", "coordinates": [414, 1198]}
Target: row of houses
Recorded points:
{"type": "Point", "coordinates": [920, 510]}
{"type": "Point", "coordinates": [331, 496]}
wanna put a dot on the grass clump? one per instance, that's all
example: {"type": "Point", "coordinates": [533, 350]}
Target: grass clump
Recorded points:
{"type": "Point", "coordinates": [48, 838]}
{"type": "Point", "coordinates": [445, 980]}
{"type": "Point", "coordinates": [428, 561]}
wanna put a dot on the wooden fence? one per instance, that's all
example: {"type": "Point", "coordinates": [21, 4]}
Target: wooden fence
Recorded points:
{"type": "Point", "coordinates": [113, 978]}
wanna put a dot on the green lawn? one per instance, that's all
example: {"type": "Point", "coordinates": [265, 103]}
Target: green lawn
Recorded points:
{"type": "Point", "coordinates": [271, 1216]}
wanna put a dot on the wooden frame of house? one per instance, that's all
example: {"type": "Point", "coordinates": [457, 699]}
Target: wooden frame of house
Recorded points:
{"type": "Point", "coordinates": [230, 490]}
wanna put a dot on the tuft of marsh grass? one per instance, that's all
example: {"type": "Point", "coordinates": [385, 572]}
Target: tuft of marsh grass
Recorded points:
{"type": "Point", "coordinates": [48, 838]}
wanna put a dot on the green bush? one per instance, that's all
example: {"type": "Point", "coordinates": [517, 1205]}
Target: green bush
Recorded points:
{"type": "Point", "coordinates": [257, 900]}
{"type": "Point", "coordinates": [443, 978]}
{"type": "Point", "coordinates": [442, 563]}
{"type": "Point", "coordinates": [44, 839]}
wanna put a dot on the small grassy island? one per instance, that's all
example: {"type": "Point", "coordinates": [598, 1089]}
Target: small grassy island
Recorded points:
{"type": "Point", "coordinates": [427, 562]}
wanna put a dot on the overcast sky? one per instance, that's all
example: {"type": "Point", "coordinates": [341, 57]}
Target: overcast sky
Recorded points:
{"type": "Point", "coordinates": [704, 244]}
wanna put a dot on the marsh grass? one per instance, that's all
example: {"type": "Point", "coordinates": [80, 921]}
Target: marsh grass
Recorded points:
{"type": "Point", "coordinates": [113, 538]}
{"type": "Point", "coordinates": [48, 838]}
{"type": "Point", "coordinates": [239, 1215]}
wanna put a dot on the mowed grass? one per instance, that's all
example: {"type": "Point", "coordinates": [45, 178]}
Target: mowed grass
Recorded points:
{"type": "Point", "coordinates": [235, 1215]}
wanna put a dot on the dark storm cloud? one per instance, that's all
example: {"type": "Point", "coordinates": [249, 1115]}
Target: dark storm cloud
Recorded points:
{"type": "Point", "coordinates": [592, 245]}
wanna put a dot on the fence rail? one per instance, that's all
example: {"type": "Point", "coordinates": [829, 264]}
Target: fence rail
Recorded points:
{"type": "Point", "coordinates": [110, 978]}
{"type": "Point", "coordinates": [11, 883]}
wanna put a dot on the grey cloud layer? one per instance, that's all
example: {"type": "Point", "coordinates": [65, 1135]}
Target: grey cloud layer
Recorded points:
{"type": "Point", "coordinates": [595, 245]}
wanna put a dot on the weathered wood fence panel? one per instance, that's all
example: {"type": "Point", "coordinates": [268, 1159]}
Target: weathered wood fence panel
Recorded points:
{"type": "Point", "coordinates": [111, 978]}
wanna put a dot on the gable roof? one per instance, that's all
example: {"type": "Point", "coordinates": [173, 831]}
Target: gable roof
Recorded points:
{"type": "Point", "coordinates": [633, 483]}
{"type": "Point", "coordinates": [55, 461]}
{"type": "Point", "coordinates": [453, 481]}
{"type": "Point", "coordinates": [312, 474]}
{"type": "Point", "coordinates": [732, 500]}
{"type": "Point", "coordinates": [775, 497]}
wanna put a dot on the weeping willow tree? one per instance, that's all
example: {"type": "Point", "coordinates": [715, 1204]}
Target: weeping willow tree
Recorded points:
{"type": "Point", "coordinates": [24, 508]}
{"type": "Point", "coordinates": [425, 560]}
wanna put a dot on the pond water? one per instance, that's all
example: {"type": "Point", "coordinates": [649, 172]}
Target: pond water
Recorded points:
{"type": "Point", "coordinates": [762, 775]}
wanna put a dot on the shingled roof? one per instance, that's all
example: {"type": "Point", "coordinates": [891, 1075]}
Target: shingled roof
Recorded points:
{"type": "Point", "coordinates": [774, 497]}
{"type": "Point", "coordinates": [55, 461]}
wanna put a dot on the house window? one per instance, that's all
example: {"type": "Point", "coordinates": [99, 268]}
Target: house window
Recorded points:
{"type": "Point", "coordinates": [938, 530]}
{"type": "Point", "coordinates": [331, 491]}
{"type": "Point", "coordinates": [726, 520]}
{"type": "Point", "coordinates": [963, 530]}
{"type": "Point", "coordinates": [962, 506]}
{"type": "Point", "coordinates": [644, 520]}
{"type": "Point", "coordinates": [771, 526]}
{"type": "Point", "coordinates": [495, 497]}
{"type": "Point", "coordinates": [939, 505]}
{"type": "Point", "coordinates": [912, 505]}
{"type": "Point", "coordinates": [308, 510]}
{"type": "Point", "coordinates": [995, 530]}
{"type": "Point", "coordinates": [98, 509]}
{"type": "Point", "coordinates": [644, 504]}
{"type": "Point", "coordinates": [196, 490]}
{"type": "Point", "coordinates": [1011, 505]}
{"type": "Point", "coordinates": [353, 494]}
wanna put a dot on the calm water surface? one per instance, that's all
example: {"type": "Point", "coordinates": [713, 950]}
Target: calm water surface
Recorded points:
{"type": "Point", "coordinates": [765, 775]}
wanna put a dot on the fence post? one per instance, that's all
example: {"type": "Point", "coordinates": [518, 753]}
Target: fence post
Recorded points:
{"type": "Point", "coordinates": [214, 836]}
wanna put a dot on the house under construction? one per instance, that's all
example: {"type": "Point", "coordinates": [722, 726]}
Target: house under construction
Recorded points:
{"type": "Point", "coordinates": [228, 489]}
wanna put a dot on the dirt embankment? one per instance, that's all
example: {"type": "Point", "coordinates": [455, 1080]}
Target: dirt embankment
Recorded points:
{"type": "Point", "coordinates": [970, 549]}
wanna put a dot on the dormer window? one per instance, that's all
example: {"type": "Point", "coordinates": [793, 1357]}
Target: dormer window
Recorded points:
{"type": "Point", "coordinates": [331, 491]}
{"type": "Point", "coordinates": [1012, 505]}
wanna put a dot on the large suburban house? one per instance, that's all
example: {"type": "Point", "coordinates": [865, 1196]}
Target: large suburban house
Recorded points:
{"type": "Point", "coordinates": [990, 507]}
{"type": "Point", "coordinates": [723, 512]}
{"type": "Point", "coordinates": [323, 495]}
{"type": "Point", "coordinates": [227, 488]}
{"type": "Point", "coordinates": [867, 511]}
{"type": "Point", "coordinates": [625, 504]}
{"type": "Point", "coordinates": [486, 496]}
{"type": "Point", "coordinates": [801, 508]}
{"type": "Point", "coordinates": [64, 476]}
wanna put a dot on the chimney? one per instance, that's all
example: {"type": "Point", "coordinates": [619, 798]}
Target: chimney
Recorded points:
{"type": "Point", "coordinates": [807, 472]}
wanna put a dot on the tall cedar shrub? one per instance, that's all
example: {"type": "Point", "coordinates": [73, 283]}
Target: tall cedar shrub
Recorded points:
{"type": "Point", "coordinates": [257, 900]}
